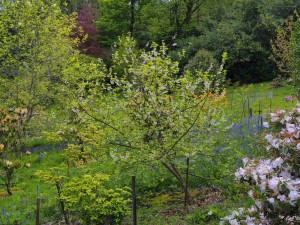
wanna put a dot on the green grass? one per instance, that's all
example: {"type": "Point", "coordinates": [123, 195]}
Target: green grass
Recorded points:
{"type": "Point", "coordinates": [21, 206]}
{"type": "Point", "coordinates": [259, 97]}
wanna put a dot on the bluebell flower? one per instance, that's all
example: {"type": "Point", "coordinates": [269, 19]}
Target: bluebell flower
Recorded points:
{"type": "Point", "coordinates": [3, 210]}
{"type": "Point", "coordinates": [217, 151]}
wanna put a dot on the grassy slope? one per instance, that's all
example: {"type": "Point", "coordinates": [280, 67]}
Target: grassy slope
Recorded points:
{"type": "Point", "coordinates": [262, 96]}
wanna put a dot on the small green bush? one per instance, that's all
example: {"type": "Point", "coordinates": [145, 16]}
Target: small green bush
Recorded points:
{"type": "Point", "coordinates": [203, 60]}
{"type": "Point", "coordinates": [90, 202]}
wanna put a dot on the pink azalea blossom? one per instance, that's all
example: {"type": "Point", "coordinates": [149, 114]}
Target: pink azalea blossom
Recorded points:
{"type": "Point", "coordinates": [280, 111]}
{"type": "Point", "coordinates": [288, 98]}
{"type": "Point", "coordinates": [271, 200]}
{"type": "Point", "coordinates": [291, 128]}
{"type": "Point", "coordinates": [273, 184]}
{"type": "Point", "coordinates": [293, 196]}
{"type": "Point", "coordinates": [287, 118]}
{"type": "Point", "coordinates": [266, 124]}
{"type": "Point", "coordinates": [276, 179]}
{"type": "Point", "coordinates": [245, 161]}
{"type": "Point", "coordinates": [277, 162]}
{"type": "Point", "coordinates": [274, 117]}
{"type": "Point", "coordinates": [269, 137]}
{"type": "Point", "coordinates": [285, 174]}
{"type": "Point", "coordinates": [282, 198]}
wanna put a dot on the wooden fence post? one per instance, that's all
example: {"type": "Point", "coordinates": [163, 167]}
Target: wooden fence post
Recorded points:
{"type": "Point", "coordinates": [134, 218]}
{"type": "Point", "coordinates": [38, 203]}
{"type": "Point", "coordinates": [186, 195]}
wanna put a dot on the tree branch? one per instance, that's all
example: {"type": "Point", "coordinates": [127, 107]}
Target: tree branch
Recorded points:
{"type": "Point", "coordinates": [105, 123]}
{"type": "Point", "coordinates": [190, 127]}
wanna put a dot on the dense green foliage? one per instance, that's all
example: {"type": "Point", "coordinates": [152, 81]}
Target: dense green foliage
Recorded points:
{"type": "Point", "coordinates": [244, 29]}
{"type": "Point", "coordinates": [34, 49]}
{"type": "Point", "coordinates": [294, 58]}
{"type": "Point", "coordinates": [93, 203]}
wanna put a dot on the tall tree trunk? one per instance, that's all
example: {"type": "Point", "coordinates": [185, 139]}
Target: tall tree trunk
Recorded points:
{"type": "Point", "coordinates": [191, 6]}
{"type": "Point", "coordinates": [132, 17]}
{"type": "Point", "coordinates": [189, 12]}
{"type": "Point", "coordinates": [7, 181]}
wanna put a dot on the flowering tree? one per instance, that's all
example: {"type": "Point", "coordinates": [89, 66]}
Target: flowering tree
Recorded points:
{"type": "Point", "coordinates": [274, 183]}
{"type": "Point", "coordinates": [152, 115]}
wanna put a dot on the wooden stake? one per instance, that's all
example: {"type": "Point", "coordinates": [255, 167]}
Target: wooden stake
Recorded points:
{"type": "Point", "coordinates": [186, 196]}
{"type": "Point", "coordinates": [38, 202]}
{"type": "Point", "coordinates": [134, 217]}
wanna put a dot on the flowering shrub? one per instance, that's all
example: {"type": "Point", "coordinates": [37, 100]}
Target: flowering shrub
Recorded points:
{"type": "Point", "coordinates": [11, 130]}
{"type": "Point", "coordinates": [12, 127]}
{"type": "Point", "coordinates": [274, 183]}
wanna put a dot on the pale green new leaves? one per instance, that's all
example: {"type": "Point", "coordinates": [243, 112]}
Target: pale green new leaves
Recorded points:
{"type": "Point", "coordinates": [152, 113]}
{"type": "Point", "coordinates": [34, 47]}
{"type": "Point", "coordinates": [92, 202]}
{"type": "Point", "coordinates": [147, 111]}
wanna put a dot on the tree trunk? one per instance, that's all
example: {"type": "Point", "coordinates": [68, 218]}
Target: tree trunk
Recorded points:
{"type": "Point", "coordinates": [62, 204]}
{"type": "Point", "coordinates": [7, 182]}
{"type": "Point", "coordinates": [8, 188]}
{"type": "Point", "coordinates": [132, 18]}
{"type": "Point", "coordinates": [175, 172]}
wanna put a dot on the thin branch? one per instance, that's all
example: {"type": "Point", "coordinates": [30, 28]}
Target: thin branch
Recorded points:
{"type": "Point", "coordinates": [190, 127]}
{"type": "Point", "coordinates": [100, 120]}
{"type": "Point", "coordinates": [105, 123]}
{"type": "Point", "coordinates": [123, 145]}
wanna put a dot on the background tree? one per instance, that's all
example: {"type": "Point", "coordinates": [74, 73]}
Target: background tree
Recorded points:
{"type": "Point", "coordinates": [244, 30]}
{"type": "Point", "coordinates": [154, 23]}
{"type": "Point", "coordinates": [294, 59]}
{"type": "Point", "coordinates": [34, 47]}
{"type": "Point", "coordinates": [86, 32]}
{"type": "Point", "coordinates": [281, 52]}
{"type": "Point", "coordinates": [114, 20]}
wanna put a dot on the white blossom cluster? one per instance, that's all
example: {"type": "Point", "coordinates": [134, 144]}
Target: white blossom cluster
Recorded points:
{"type": "Point", "coordinates": [274, 183]}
